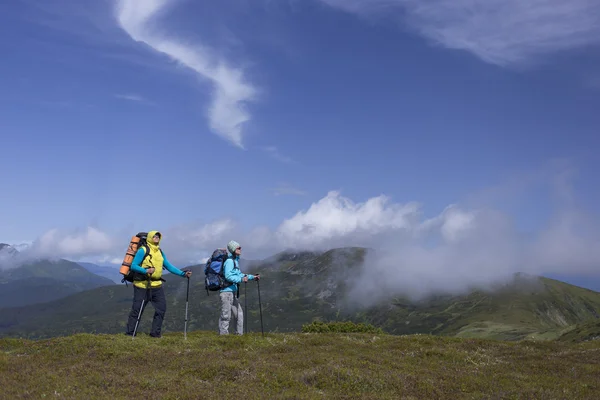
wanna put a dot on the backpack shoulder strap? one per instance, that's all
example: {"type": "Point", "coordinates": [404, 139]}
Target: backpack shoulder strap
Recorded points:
{"type": "Point", "coordinates": [146, 251]}
{"type": "Point", "coordinates": [222, 273]}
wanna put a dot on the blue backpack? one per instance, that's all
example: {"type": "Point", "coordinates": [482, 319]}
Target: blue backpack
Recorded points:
{"type": "Point", "coordinates": [215, 272]}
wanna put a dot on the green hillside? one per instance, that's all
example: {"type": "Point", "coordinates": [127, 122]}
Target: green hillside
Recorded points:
{"type": "Point", "coordinates": [59, 269]}
{"type": "Point", "coordinates": [45, 280]}
{"type": "Point", "coordinates": [111, 273]}
{"type": "Point", "coordinates": [526, 307]}
{"type": "Point", "coordinates": [296, 366]}
{"type": "Point", "coordinates": [296, 291]}
{"type": "Point", "coordinates": [583, 332]}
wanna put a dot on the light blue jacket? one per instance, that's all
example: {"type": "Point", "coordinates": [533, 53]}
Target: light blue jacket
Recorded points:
{"type": "Point", "coordinates": [233, 273]}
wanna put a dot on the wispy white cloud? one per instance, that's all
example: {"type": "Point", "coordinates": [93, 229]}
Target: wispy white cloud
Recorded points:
{"type": "Point", "coordinates": [132, 97]}
{"type": "Point", "coordinates": [276, 154]}
{"type": "Point", "coordinates": [232, 91]}
{"type": "Point", "coordinates": [501, 32]}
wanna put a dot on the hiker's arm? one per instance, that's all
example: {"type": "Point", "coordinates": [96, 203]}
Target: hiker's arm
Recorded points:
{"type": "Point", "coordinates": [171, 268]}
{"type": "Point", "coordinates": [229, 274]}
{"type": "Point", "coordinates": [137, 260]}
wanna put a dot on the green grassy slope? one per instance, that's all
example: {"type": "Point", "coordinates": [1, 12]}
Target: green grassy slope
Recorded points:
{"type": "Point", "coordinates": [111, 273]}
{"type": "Point", "coordinates": [296, 366]}
{"type": "Point", "coordinates": [56, 269]}
{"type": "Point", "coordinates": [583, 332]}
{"type": "Point", "coordinates": [45, 280]}
{"type": "Point", "coordinates": [526, 306]}
{"type": "Point", "coordinates": [312, 287]}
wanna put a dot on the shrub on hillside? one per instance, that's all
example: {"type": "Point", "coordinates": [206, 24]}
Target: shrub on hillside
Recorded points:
{"type": "Point", "coordinates": [339, 327]}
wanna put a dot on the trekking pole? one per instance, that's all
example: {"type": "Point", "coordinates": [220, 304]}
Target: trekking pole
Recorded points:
{"type": "Point", "coordinates": [260, 307]}
{"type": "Point", "coordinates": [246, 307]}
{"type": "Point", "coordinates": [138, 319]}
{"type": "Point", "coordinates": [145, 300]}
{"type": "Point", "coordinates": [186, 308]}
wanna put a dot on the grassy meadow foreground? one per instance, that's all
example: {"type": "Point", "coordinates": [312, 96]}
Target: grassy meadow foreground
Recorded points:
{"type": "Point", "coordinates": [296, 366]}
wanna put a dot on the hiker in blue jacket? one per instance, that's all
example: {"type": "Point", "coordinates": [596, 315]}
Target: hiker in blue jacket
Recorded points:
{"type": "Point", "coordinates": [229, 300]}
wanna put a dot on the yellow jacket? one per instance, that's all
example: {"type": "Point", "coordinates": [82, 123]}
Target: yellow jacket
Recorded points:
{"type": "Point", "coordinates": [156, 259]}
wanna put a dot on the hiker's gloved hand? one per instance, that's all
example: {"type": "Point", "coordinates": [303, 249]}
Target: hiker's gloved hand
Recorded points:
{"type": "Point", "coordinates": [245, 278]}
{"type": "Point", "coordinates": [256, 277]}
{"type": "Point", "coordinates": [150, 271]}
{"type": "Point", "coordinates": [188, 274]}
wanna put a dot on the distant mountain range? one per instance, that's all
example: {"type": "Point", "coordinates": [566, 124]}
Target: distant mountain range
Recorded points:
{"type": "Point", "coordinates": [303, 287]}
{"type": "Point", "coordinates": [7, 252]}
{"type": "Point", "coordinates": [105, 271]}
{"type": "Point", "coordinates": [18, 247]}
{"type": "Point", "coordinates": [45, 280]}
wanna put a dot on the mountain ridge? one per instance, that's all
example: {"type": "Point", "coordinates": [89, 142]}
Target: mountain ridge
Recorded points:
{"type": "Point", "coordinates": [7, 251]}
{"type": "Point", "coordinates": [310, 289]}
{"type": "Point", "coordinates": [45, 280]}
{"type": "Point", "coordinates": [104, 271]}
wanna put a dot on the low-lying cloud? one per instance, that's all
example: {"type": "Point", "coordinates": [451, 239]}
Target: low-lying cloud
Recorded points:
{"type": "Point", "coordinates": [457, 250]}
{"type": "Point", "coordinates": [73, 245]}
{"type": "Point", "coordinates": [502, 32]}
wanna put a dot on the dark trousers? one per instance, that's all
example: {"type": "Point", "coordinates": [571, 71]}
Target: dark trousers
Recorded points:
{"type": "Point", "coordinates": [157, 297]}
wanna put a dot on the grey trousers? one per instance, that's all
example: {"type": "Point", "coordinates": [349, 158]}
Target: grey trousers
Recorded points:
{"type": "Point", "coordinates": [230, 306]}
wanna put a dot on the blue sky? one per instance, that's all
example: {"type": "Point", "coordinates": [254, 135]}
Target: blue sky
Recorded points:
{"type": "Point", "coordinates": [282, 123]}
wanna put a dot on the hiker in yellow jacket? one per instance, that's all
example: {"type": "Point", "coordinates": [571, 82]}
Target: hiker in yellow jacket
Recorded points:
{"type": "Point", "coordinates": [151, 266]}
